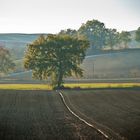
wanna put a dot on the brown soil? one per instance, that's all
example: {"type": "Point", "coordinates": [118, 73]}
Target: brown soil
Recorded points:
{"type": "Point", "coordinates": [116, 111]}
{"type": "Point", "coordinates": [39, 115]}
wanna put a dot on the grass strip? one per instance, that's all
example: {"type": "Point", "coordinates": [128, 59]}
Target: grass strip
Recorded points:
{"type": "Point", "coordinates": [102, 85]}
{"type": "Point", "coordinates": [70, 85]}
{"type": "Point", "coordinates": [26, 86]}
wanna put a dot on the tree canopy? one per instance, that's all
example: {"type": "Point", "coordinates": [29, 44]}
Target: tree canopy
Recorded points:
{"type": "Point", "coordinates": [112, 38]}
{"type": "Point", "coordinates": [95, 32]}
{"type": "Point", "coordinates": [125, 37]}
{"type": "Point", "coordinates": [55, 57]}
{"type": "Point", "coordinates": [100, 37]}
{"type": "Point", "coordinates": [6, 63]}
{"type": "Point", "coordinates": [69, 31]}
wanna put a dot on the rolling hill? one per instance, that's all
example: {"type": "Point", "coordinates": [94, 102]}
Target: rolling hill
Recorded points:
{"type": "Point", "coordinates": [18, 38]}
{"type": "Point", "coordinates": [113, 65]}
{"type": "Point", "coordinates": [118, 65]}
{"type": "Point", "coordinates": [17, 43]}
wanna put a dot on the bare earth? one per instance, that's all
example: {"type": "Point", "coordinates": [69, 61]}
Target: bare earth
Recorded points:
{"type": "Point", "coordinates": [116, 111]}
{"type": "Point", "coordinates": [39, 115]}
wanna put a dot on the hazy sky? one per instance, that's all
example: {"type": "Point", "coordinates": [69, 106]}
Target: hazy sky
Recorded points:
{"type": "Point", "coordinates": [50, 16]}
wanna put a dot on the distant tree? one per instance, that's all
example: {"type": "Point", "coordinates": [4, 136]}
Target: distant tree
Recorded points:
{"type": "Point", "coordinates": [137, 37]}
{"type": "Point", "coordinates": [95, 32]}
{"type": "Point", "coordinates": [125, 38]}
{"type": "Point", "coordinates": [55, 56]}
{"type": "Point", "coordinates": [112, 37]}
{"type": "Point", "coordinates": [69, 31]}
{"type": "Point", "coordinates": [6, 63]}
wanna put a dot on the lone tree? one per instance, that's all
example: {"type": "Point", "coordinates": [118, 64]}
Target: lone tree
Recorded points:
{"type": "Point", "coordinates": [6, 63]}
{"type": "Point", "coordinates": [56, 57]}
{"type": "Point", "coordinates": [137, 37]}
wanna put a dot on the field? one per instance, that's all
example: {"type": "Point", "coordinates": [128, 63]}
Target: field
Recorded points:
{"type": "Point", "coordinates": [115, 111]}
{"type": "Point", "coordinates": [39, 115]}
{"type": "Point", "coordinates": [44, 86]}
{"type": "Point", "coordinates": [36, 112]}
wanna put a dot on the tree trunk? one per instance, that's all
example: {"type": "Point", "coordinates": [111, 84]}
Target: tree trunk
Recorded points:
{"type": "Point", "coordinates": [60, 80]}
{"type": "Point", "coordinates": [60, 76]}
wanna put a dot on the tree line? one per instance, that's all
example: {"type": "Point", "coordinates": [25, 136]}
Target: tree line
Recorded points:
{"type": "Point", "coordinates": [101, 37]}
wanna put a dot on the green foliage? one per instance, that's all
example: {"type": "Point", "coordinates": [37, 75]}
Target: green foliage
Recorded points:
{"type": "Point", "coordinates": [6, 63]}
{"type": "Point", "coordinates": [70, 32]}
{"type": "Point", "coordinates": [112, 38]}
{"type": "Point", "coordinates": [137, 37]}
{"type": "Point", "coordinates": [55, 57]}
{"type": "Point", "coordinates": [95, 32]}
{"type": "Point", "coordinates": [125, 37]}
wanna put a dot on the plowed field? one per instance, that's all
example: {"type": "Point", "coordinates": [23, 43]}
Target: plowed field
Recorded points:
{"type": "Point", "coordinates": [115, 111]}
{"type": "Point", "coordinates": [39, 115]}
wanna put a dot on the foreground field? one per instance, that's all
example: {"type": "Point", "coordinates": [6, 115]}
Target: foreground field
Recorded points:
{"type": "Point", "coordinates": [39, 115]}
{"type": "Point", "coordinates": [116, 111]}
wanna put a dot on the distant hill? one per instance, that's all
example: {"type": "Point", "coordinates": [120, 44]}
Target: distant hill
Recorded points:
{"type": "Point", "coordinates": [27, 75]}
{"type": "Point", "coordinates": [18, 38]}
{"type": "Point", "coordinates": [17, 43]}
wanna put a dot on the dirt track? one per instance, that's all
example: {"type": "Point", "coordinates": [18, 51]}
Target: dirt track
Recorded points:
{"type": "Point", "coordinates": [39, 115]}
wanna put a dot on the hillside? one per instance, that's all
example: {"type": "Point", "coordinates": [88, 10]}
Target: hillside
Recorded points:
{"type": "Point", "coordinates": [113, 65]}
{"type": "Point", "coordinates": [102, 66]}
{"type": "Point", "coordinates": [17, 43]}
{"type": "Point", "coordinates": [21, 38]}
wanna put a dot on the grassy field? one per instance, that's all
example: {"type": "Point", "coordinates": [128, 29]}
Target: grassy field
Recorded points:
{"type": "Point", "coordinates": [39, 115]}
{"type": "Point", "coordinates": [102, 85]}
{"type": "Point", "coordinates": [70, 85]}
{"type": "Point", "coordinates": [26, 86]}
{"type": "Point", "coordinates": [116, 111]}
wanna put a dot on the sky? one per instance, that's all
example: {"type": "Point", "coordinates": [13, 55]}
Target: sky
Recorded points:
{"type": "Point", "coordinates": [51, 16]}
